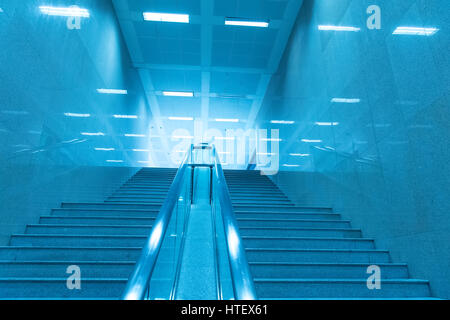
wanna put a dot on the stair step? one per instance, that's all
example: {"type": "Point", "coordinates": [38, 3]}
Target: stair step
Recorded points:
{"type": "Point", "coordinates": [145, 189]}
{"type": "Point", "coordinates": [343, 288]}
{"type": "Point", "coordinates": [279, 208]}
{"type": "Point", "coordinates": [307, 243]}
{"type": "Point", "coordinates": [139, 194]}
{"type": "Point", "coordinates": [96, 220]}
{"type": "Point", "coordinates": [244, 202]}
{"type": "Point", "coordinates": [325, 270]}
{"type": "Point", "coordinates": [287, 215]}
{"type": "Point", "coordinates": [107, 212]}
{"type": "Point", "coordinates": [50, 229]}
{"type": "Point", "coordinates": [299, 232]}
{"type": "Point", "coordinates": [66, 253]}
{"type": "Point", "coordinates": [47, 287]}
{"type": "Point", "coordinates": [241, 195]}
{"type": "Point", "coordinates": [317, 255]}
{"type": "Point", "coordinates": [135, 199]}
{"type": "Point", "coordinates": [292, 223]}
{"type": "Point", "coordinates": [57, 269]}
{"type": "Point", "coordinates": [147, 185]}
{"type": "Point", "coordinates": [118, 205]}
{"type": "Point", "coordinates": [42, 240]}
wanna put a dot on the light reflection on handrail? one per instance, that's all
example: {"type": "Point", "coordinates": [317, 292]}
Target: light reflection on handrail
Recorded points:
{"type": "Point", "coordinates": [243, 286]}
{"type": "Point", "coordinates": [139, 281]}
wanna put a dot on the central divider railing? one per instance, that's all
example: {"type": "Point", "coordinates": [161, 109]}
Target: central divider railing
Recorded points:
{"type": "Point", "coordinates": [156, 273]}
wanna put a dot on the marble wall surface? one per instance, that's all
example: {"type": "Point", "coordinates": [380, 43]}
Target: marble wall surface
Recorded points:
{"type": "Point", "coordinates": [50, 70]}
{"type": "Point", "coordinates": [371, 133]}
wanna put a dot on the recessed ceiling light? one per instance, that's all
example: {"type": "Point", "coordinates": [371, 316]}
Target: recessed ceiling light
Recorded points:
{"type": "Point", "coordinates": [105, 149]}
{"type": "Point", "coordinates": [178, 94]}
{"type": "Point", "coordinates": [92, 133]}
{"type": "Point", "coordinates": [166, 17]}
{"type": "Point", "coordinates": [77, 115]}
{"type": "Point", "coordinates": [271, 139]}
{"type": "Point", "coordinates": [246, 23]}
{"type": "Point", "coordinates": [299, 154]}
{"type": "Point", "coordinates": [291, 165]}
{"type": "Point", "coordinates": [327, 123]}
{"type": "Point", "coordinates": [181, 118]}
{"type": "Point", "coordinates": [227, 120]}
{"type": "Point", "coordinates": [112, 91]}
{"type": "Point", "coordinates": [125, 116]}
{"type": "Point", "coordinates": [65, 11]}
{"type": "Point", "coordinates": [224, 138]}
{"type": "Point", "coordinates": [282, 122]}
{"type": "Point", "coordinates": [114, 161]}
{"type": "Point", "coordinates": [141, 150]}
{"type": "Point", "coordinates": [338, 28]}
{"type": "Point", "coordinates": [311, 140]}
{"type": "Point", "coordinates": [415, 31]}
{"type": "Point", "coordinates": [134, 135]}
{"type": "Point", "coordinates": [345, 100]}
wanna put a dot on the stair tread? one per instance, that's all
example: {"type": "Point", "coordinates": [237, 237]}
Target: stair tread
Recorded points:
{"type": "Point", "coordinates": [66, 262]}
{"type": "Point", "coordinates": [310, 250]}
{"type": "Point", "coordinates": [309, 238]}
{"type": "Point", "coordinates": [326, 264]}
{"type": "Point", "coordinates": [337, 280]}
{"type": "Point", "coordinates": [89, 226]}
{"type": "Point", "coordinates": [296, 228]}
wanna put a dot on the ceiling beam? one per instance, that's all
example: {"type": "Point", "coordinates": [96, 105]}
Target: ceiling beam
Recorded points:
{"type": "Point", "coordinates": [206, 56]}
{"type": "Point", "coordinates": [290, 16]}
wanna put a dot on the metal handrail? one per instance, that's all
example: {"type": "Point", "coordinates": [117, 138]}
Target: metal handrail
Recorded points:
{"type": "Point", "coordinates": [138, 283]}
{"type": "Point", "coordinates": [243, 286]}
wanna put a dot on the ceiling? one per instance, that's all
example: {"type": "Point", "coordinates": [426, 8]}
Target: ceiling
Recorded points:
{"type": "Point", "coordinates": [227, 67]}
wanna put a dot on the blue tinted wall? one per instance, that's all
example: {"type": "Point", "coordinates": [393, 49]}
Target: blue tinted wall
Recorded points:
{"type": "Point", "coordinates": [56, 127]}
{"type": "Point", "coordinates": [372, 130]}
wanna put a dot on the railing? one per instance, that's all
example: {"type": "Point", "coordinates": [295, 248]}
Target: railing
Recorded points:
{"type": "Point", "coordinates": [231, 254]}
{"type": "Point", "coordinates": [155, 275]}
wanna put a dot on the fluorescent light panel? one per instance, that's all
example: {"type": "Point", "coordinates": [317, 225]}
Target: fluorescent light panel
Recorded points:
{"type": "Point", "coordinates": [338, 28]}
{"type": "Point", "coordinates": [227, 120]}
{"type": "Point", "coordinates": [299, 154]}
{"type": "Point", "coordinates": [345, 100]}
{"type": "Point", "coordinates": [282, 122]}
{"type": "Point", "coordinates": [77, 115]}
{"type": "Point", "coordinates": [115, 161]}
{"type": "Point", "coordinates": [311, 141]}
{"type": "Point", "coordinates": [92, 133]}
{"type": "Point", "coordinates": [224, 138]}
{"type": "Point", "coordinates": [246, 23]}
{"type": "Point", "coordinates": [125, 116]}
{"type": "Point", "coordinates": [166, 17]}
{"type": "Point", "coordinates": [327, 123]}
{"type": "Point", "coordinates": [415, 31]}
{"type": "Point", "coordinates": [134, 135]}
{"type": "Point", "coordinates": [65, 11]}
{"type": "Point", "coordinates": [105, 149]}
{"type": "Point", "coordinates": [141, 150]}
{"type": "Point", "coordinates": [291, 165]}
{"type": "Point", "coordinates": [178, 94]}
{"type": "Point", "coordinates": [181, 118]}
{"type": "Point", "coordinates": [112, 91]}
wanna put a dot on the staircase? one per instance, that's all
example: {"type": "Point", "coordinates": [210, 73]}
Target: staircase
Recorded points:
{"type": "Point", "coordinates": [309, 252]}
{"type": "Point", "coordinates": [104, 239]}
